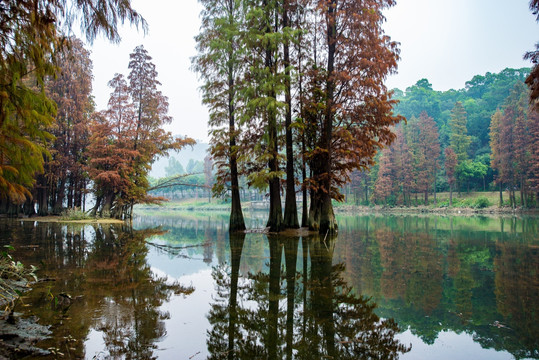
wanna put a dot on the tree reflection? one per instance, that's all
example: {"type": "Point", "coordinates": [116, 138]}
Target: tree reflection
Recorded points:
{"type": "Point", "coordinates": [130, 320]}
{"type": "Point", "coordinates": [306, 314]}
{"type": "Point", "coordinates": [466, 275]}
{"type": "Point", "coordinates": [103, 284]}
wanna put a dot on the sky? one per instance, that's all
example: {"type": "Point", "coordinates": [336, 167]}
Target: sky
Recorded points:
{"type": "Point", "coordinates": [446, 42]}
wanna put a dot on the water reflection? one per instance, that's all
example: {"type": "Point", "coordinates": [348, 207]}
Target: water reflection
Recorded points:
{"type": "Point", "coordinates": [97, 283]}
{"type": "Point", "coordinates": [286, 313]}
{"type": "Point", "coordinates": [440, 278]}
{"type": "Point", "coordinates": [466, 275]}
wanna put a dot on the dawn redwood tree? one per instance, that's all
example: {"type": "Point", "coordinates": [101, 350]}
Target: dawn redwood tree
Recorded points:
{"type": "Point", "coordinates": [131, 130]}
{"type": "Point", "coordinates": [384, 185]}
{"type": "Point", "coordinates": [221, 66]}
{"type": "Point", "coordinates": [429, 147]}
{"type": "Point", "coordinates": [290, 219]}
{"type": "Point", "coordinates": [264, 39]}
{"type": "Point", "coordinates": [450, 168]}
{"type": "Point", "coordinates": [151, 114]}
{"type": "Point", "coordinates": [354, 119]}
{"type": "Point", "coordinates": [418, 161]}
{"type": "Point", "coordinates": [71, 91]}
{"type": "Point", "coordinates": [533, 121]}
{"type": "Point", "coordinates": [495, 146]}
{"type": "Point", "coordinates": [510, 142]}
{"type": "Point", "coordinates": [459, 139]}
{"type": "Point", "coordinates": [109, 167]}
{"type": "Point", "coordinates": [522, 142]}
{"type": "Point", "coordinates": [403, 163]}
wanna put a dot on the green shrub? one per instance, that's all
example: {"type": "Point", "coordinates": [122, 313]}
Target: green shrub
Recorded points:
{"type": "Point", "coordinates": [481, 202]}
{"type": "Point", "coordinates": [74, 214]}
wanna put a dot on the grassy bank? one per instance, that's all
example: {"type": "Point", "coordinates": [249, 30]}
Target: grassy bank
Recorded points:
{"type": "Point", "coordinates": [463, 203]}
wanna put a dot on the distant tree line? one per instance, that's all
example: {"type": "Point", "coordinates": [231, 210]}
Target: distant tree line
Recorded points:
{"type": "Point", "coordinates": [483, 137]}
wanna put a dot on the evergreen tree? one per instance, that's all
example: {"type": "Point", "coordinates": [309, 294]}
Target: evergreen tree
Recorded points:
{"type": "Point", "coordinates": [450, 169]}
{"type": "Point", "coordinates": [220, 64]}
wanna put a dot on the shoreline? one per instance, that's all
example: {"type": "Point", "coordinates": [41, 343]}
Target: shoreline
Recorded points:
{"type": "Point", "coordinates": [458, 211]}
{"type": "Point", "coordinates": [360, 209]}
{"type": "Point", "coordinates": [59, 219]}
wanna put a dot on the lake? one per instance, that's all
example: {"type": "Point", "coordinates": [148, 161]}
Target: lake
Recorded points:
{"type": "Point", "coordinates": [387, 287]}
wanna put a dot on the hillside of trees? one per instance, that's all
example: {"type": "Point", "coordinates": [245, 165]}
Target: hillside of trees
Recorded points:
{"type": "Point", "coordinates": [482, 137]}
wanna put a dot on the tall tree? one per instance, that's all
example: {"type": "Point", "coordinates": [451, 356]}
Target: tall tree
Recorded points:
{"type": "Point", "coordinates": [133, 132]}
{"type": "Point", "coordinates": [510, 143]}
{"type": "Point", "coordinates": [220, 65]}
{"type": "Point", "coordinates": [496, 150]}
{"type": "Point", "coordinates": [384, 186]}
{"type": "Point", "coordinates": [290, 219]}
{"type": "Point", "coordinates": [450, 168]}
{"type": "Point", "coordinates": [151, 114]}
{"type": "Point", "coordinates": [403, 164]}
{"type": "Point", "coordinates": [429, 148]}
{"type": "Point", "coordinates": [267, 81]}
{"type": "Point", "coordinates": [355, 58]}
{"type": "Point", "coordinates": [459, 139]}
{"type": "Point", "coordinates": [533, 120]}
{"type": "Point", "coordinates": [71, 91]}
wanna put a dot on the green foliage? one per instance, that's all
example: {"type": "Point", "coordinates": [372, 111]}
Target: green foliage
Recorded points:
{"type": "Point", "coordinates": [480, 97]}
{"type": "Point", "coordinates": [481, 202]}
{"type": "Point", "coordinates": [75, 214]}
{"type": "Point", "coordinates": [12, 272]}
{"type": "Point", "coordinates": [470, 170]}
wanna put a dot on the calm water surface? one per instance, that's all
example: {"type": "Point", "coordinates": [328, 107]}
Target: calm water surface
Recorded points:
{"type": "Point", "coordinates": [408, 287]}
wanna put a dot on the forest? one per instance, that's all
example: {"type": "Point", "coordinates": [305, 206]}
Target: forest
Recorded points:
{"type": "Point", "coordinates": [483, 137]}
{"type": "Point", "coordinates": [297, 105]}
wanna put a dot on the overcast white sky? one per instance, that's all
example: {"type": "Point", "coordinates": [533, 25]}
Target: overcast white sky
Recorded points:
{"type": "Point", "coordinates": [447, 42]}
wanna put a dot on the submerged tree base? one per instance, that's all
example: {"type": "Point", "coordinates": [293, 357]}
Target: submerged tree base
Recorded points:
{"type": "Point", "coordinates": [322, 217]}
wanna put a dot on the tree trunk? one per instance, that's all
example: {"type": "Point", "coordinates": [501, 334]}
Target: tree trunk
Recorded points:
{"type": "Point", "coordinates": [434, 190]}
{"type": "Point", "coordinates": [107, 205]}
{"type": "Point", "coordinates": [327, 223]}
{"type": "Point", "coordinates": [522, 192]}
{"type": "Point", "coordinates": [290, 219]}
{"type": "Point", "coordinates": [305, 212]}
{"type": "Point", "coordinates": [59, 199]}
{"type": "Point", "coordinates": [237, 223]}
{"type": "Point", "coordinates": [450, 195]}
{"type": "Point", "coordinates": [42, 196]}
{"type": "Point", "coordinates": [28, 207]}
{"type": "Point", "coordinates": [275, 220]}
{"type": "Point", "coordinates": [321, 215]}
{"type": "Point", "coordinates": [501, 193]}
